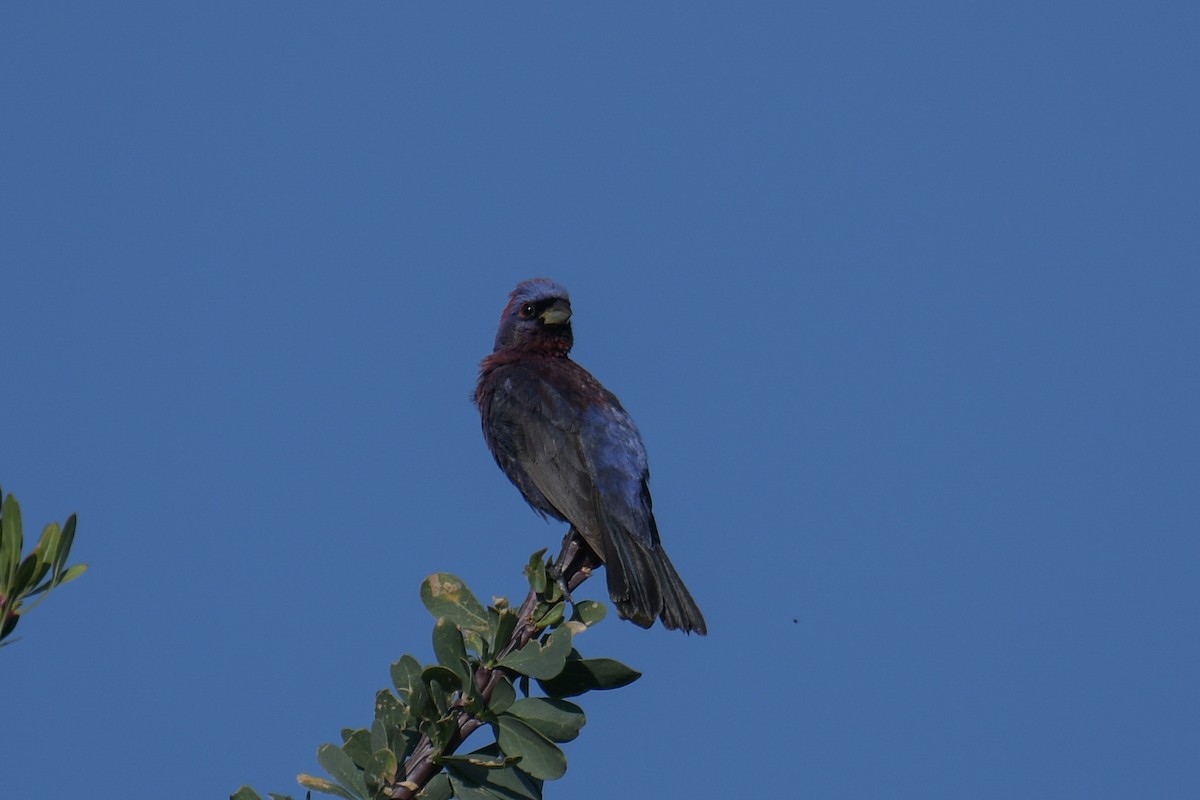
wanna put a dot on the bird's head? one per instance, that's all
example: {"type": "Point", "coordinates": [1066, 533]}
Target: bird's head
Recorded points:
{"type": "Point", "coordinates": [537, 319]}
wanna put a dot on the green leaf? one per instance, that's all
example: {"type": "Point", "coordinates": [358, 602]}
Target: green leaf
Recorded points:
{"type": "Point", "coordinates": [552, 616]}
{"type": "Point", "coordinates": [538, 661]}
{"type": "Point", "coordinates": [485, 761]}
{"type": "Point", "coordinates": [446, 595]}
{"type": "Point", "coordinates": [584, 675]}
{"type": "Point", "coordinates": [245, 793]}
{"type": "Point", "coordinates": [557, 720]}
{"type": "Point", "coordinates": [465, 790]}
{"type": "Point", "coordinates": [343, 770]}
{"type": "Point", "coordinates": [441, 696]}
{"type": "Point", "coordinates": [589, 612]}
{"type": "Point", "coordinates": [535, 571]}
{"type": "Point", "coordinates": [31, 570]}
{"type": "Point", "coordinates": [64, 549]}
{"type": "Point", "coordinates": [381, 769]}
{"type": "Point", "coordinates": [505, 624]}
{"type": "Point", "coordinates": [389, 711]}
{"type": "Point", "coordinates": [503, 696]}
{"type": "Point", "coordinates": [410, 687]}
{"type": "Point", "coordinates": [540, 757]}
{"type": "Point", "coordinates": [438, 788]}
{"type": "Point", "coordinates": [406, 676]}
{"type": "Point", "coordinates": [448, 679]}
{"type": "Point", "coordinates": [358, 746]}
{"type": "Point", "coordinates": [509, 783]}
{"type": "Point", "coordinates": [11, 542]}
{"type": "Point", "coordinates": [323, 786]}
{"type": "Point", "coordinates": [476, 643]}
{"type": "Point", "coordinates": [72, 572]}
{"type": "Point", "coordinates": [514, 783]}
{"type": "Point", "coordinates": [379, 739]}
{"type": "Point", "coordinates": [8, 622]}
{"type": "Point", "coordinates": [47, 547]}
{"type": "Point", "coordinates": [449, 650]}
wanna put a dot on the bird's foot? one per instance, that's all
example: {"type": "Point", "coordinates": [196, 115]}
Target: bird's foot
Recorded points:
{"type": "Point", "coordinates": [560, 575]}
{"type": "Point", "coordinates": [566, 591]}
{"type": "Point", "coordinates": [573, 566]}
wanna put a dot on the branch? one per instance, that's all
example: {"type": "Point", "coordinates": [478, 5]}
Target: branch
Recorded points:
{"type": "Point", "coordinates": [574, 566]}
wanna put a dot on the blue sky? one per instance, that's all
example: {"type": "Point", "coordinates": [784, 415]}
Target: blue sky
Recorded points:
{"type": "Point", "coordinates": [904, 298]}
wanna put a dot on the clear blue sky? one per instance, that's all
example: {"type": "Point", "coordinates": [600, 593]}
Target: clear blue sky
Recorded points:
{"type": "Point", "coordinates": [904, 298]}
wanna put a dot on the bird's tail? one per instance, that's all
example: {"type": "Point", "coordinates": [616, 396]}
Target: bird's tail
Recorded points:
{"type": "Point", "coordinates": [643, 583]}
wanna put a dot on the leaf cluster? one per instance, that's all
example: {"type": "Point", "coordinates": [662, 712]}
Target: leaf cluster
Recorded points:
{"type": "Point", "coordinates": [486, 659]}
{"type": "Point", "coordinates": [43, 569]}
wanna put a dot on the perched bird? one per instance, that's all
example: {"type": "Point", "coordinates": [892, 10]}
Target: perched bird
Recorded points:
{"type": "Point", "coordinates": [568, 445]}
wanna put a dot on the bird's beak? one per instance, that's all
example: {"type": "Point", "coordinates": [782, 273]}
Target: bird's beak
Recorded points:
{"type": "Point", "coordinates": [557, 314]}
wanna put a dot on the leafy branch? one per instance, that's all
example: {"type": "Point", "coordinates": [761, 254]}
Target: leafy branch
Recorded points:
{"type": "Point", "coordinates": [486, 659]}
{"type": "Point", "coordinates": [39, 572]}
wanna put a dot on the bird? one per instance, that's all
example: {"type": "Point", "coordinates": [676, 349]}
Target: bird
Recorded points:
{"type": "Point", "coordinates": [575, 454]}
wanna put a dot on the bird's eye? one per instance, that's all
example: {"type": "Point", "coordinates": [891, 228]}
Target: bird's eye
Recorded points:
{"type": "Point", "coordinates": [527, 311]}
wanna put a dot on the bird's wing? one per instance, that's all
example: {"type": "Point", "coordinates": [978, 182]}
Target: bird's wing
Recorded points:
{"type": "Point", "coordinates": [537, 438]}
{"type": "Point", "coordinates": [617, 461]}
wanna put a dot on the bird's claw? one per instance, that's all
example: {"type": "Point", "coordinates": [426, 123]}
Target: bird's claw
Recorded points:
{"type": "Point", "coordinates": [556, 573]}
